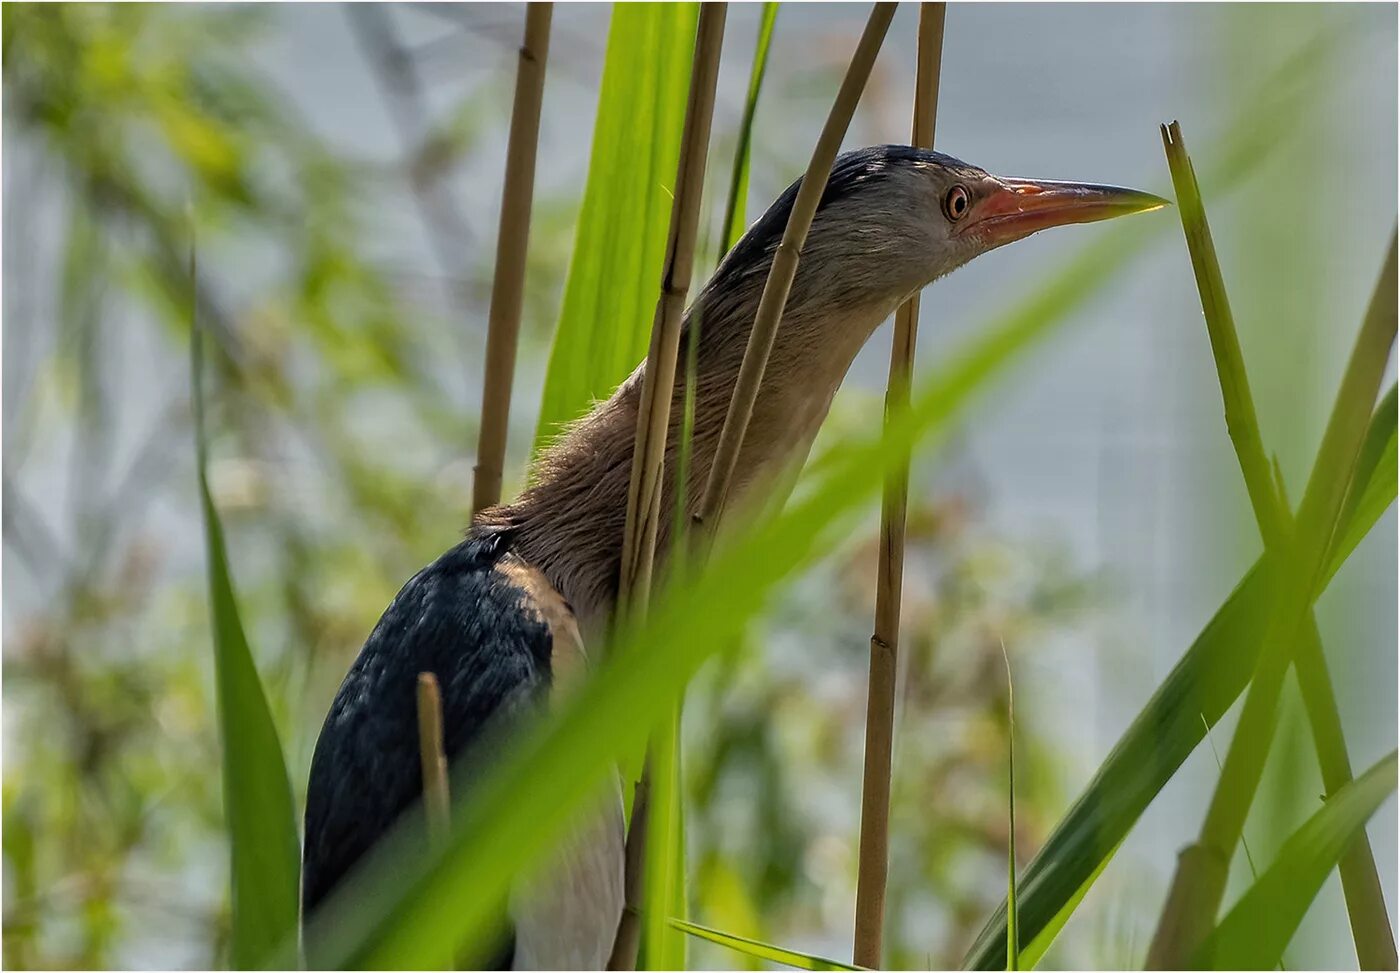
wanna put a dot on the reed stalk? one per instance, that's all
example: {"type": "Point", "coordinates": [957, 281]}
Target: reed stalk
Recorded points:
{"type": "Point", "coordinates": [884, 643]}
{"type": "Point", "coordinates": [512, 244]}
{"type": "Point", "coordinates": [437, 801]}
{"type": "Point", "coordinates": [784, 269]}
{"type": "Point", "coordinates": [653, 421]}
{"type": "Point", "coordinates": [1371, 932]}
{"type": "Point", "coordinates": [730, 231]}
{"type": "Point", "coordinates": [1295, 573]}
{"type": "Point", "coordinates": [659, 378]}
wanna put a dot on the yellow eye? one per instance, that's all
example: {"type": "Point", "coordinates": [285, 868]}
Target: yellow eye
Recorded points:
{"type": "Point", "coordinates": [956, 203]}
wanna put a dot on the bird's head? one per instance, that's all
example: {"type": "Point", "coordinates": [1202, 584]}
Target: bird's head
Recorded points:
{"type": "Point", "coordinates": [952, 212]}
{"type": "Point", "coordinates": [893, 218]}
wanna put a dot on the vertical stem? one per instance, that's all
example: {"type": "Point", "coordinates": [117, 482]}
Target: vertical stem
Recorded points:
{"type": "Point", "coordinates": [1013, 934]}
{"type": "Point", "coordinates": [436, 797]}
{"type": "Point", "coordinates": [437, 801]}
{"type": "Point", "coordinates": [1375, 943]}
{"type": "Point", "coordinates": [1199, 884]}
{"type": "Point", "coordinates": [1361, 883]}
{"type": "Point", "coordinates": [784, 268]}
{"type": "Point", "coordinates": [884, 643]}
{"type": "Point", "coordinates": [659, 377]}
{"type": "Point", "coordinates": [653, 421]}
{"type": "Point", "coordinates": [513, 238]}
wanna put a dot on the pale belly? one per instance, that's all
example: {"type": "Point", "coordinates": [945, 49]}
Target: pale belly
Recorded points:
{"type": "Point", "coordinates": [567, 917]}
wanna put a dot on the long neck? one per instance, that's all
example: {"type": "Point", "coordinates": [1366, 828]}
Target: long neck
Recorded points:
{"type": "Point", "coordinates": [569, 523]}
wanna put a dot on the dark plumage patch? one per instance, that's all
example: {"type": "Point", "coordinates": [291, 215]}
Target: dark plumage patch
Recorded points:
{"type": "Point", "coordinates": [461, 619]}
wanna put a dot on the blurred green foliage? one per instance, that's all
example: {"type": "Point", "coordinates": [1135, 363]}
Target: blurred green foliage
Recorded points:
{"type": "Point", "coordinates": [341, 424]}
{"type": "Point", "coordinates": [123, 117]}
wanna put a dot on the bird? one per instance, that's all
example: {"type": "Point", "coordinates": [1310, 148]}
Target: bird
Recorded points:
{"type": "Point", "coordinates": [503, 617]}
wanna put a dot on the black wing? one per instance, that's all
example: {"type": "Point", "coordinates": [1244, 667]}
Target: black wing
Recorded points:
{"type": "Point", "coordinates": [471, 623]}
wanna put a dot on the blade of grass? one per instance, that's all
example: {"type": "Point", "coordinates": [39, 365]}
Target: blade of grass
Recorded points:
{"type": "Point", "coordinates": [734, 221]}
{"type": "Point", "coordinates": [1254, 934]}
{"type": "Point", "coordinates": [784, 266]}
{"type": "Point", "coordinates": [620, 246]}
{"type": "Point", "coordinates": [1216, 666]}
{"type": "Point", "coordinates": [644, 503]}
{"type": "Point", "coordinates": [512, 243]}
{"type": "Point", "coordinates": [1380, 436]}
{"type": "Point", "coordinates": [763, 951]}
{"type": "Point", "coordinates": [1013, 936]}
{"type": "Point", "coordinates": [1030, 954]}
{"type": "Point", "coordinates": [1199, 883]}
{"type": "Point", "coordinates": [1380, 484]}
{"type": "Point", "coordinates": [1370, 925]}
{"type": "Point", "coordinates": [265, 857]}
{"type": "Point", "coordinates": [1210, 676]}
{"type": "Point", "coordinates": [663, 946]}
{"type": "Point", "coordinates": [397, 911]}
{"type": "Point", "coordinates": [1244, 843]}
{"type": "Point", "coordinates": [873, 870]}
{"type": "Point", "coordinates": [1367, 502]}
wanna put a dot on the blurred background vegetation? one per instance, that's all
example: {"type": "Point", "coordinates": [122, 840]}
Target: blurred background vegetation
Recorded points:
{"type": "Point", "coordinates": [342, 168]}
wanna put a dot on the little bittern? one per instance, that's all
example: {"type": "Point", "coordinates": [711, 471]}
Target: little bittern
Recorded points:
{"type": "Point", "coordinates": [498, 617]}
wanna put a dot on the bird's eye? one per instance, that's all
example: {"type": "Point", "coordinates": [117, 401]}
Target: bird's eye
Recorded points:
{"type": "Point", "coordinates": [956, 203]}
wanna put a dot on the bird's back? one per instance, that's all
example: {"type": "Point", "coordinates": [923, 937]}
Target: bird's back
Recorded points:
{"type": "Point", "coordinates": [498, 638]}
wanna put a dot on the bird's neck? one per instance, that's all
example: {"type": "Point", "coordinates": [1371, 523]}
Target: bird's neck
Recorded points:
{"type": "Point", "coordinates": [569, 522]}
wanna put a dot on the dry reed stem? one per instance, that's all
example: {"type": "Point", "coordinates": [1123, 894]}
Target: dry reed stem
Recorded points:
{"type": "Point", "coordinates": [653, 421]}
{"type": "Point", "coordinates": [659, 378]}
{"type": "Point", "coordinates": [1371, 932]}
{"type": "Point", "coordinates": [884, 643]}
{"type": "Point", "coordinates": [784, 269]}
{"type": "Point", "coordinates": [1199, 883]}
{"type": "Point", "coordinates": [513, 238]}
{"type": "Point", "coordinates": [436, 798]}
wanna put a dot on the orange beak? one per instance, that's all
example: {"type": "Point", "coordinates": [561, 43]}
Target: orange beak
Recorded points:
{"type": "Point", "coordinates": [1019, 207]}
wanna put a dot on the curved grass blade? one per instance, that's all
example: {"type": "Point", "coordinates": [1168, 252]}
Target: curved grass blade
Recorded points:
{"type": "Point", "coordinates": [1215, 668]}
{"type": "Point", "coordinates": [265, 858]}
{"type": "Point", "coordinates": [1030, 954]}
{"type": "Point", "coordinates": [610, 293]}
{"type": "Point", "coordinates": [763, 951]}
{"type": "Point", "coordinates": [1194, 695]}
{"type": "Point", "coordinates": [1360, 882]}
{"type": "Point", "coordinates": [1376, 472]}
{"type": "Point", "coordinates": [1198, 886]}
{"type": "Point", "coordinates": [1254, 934]}
{"type": "Point", "coordinates": [1013, 936]}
